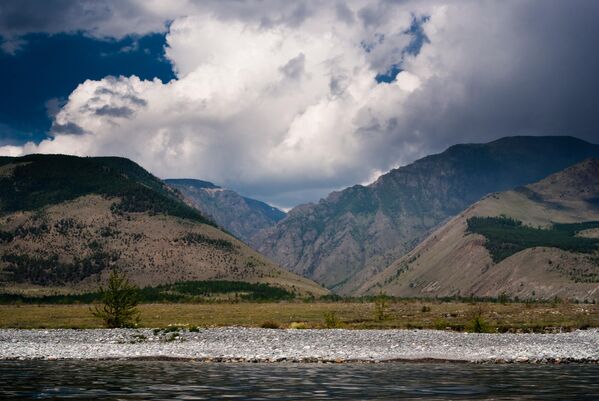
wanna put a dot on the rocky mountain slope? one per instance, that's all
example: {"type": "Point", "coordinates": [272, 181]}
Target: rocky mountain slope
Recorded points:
{"type": "Point", "coordinates": [66, 221]}
{"type": "Point", "coordinates": [368, 227]}
{"type": "Point", "coordinates": [241, 216]}
{"type": "Point", "coordinates": [533, 242]}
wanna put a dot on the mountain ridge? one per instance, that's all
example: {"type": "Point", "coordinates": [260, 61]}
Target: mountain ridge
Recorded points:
{"type": "Point", "coordinates": [240, 215]}
{"type": "Point", "coordinates": [367, 227]}
{"type": "Point", "coordinates": [457, 261]}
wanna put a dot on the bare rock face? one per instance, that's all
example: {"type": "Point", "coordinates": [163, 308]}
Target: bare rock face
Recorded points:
{"type": "Point", "coordinates": [353, 234]}
{"type": "Point", "coordinates": [455, 261]}
{"type": "Point", "coordinates": [66, 221]}
{"type": "Point", "coordinates": [241, 216]}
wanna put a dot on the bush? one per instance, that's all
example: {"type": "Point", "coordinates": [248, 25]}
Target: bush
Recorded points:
{"type": "Point", "coordinates": [269, 324]}
{"type": "Point", "coordinates": [478, 324]}
{"type": "Point", "coordinates": [441, 324]}
{"type": "Point", "coordinates": [330, 320]}
{"type": "Point", "coordinates": [119, 301]}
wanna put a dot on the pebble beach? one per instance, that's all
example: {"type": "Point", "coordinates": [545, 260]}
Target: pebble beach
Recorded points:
{"type": "Point", "coordinates": [236, 344]}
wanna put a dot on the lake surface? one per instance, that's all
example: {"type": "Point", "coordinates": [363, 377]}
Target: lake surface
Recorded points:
{"type": "Point", "coordinates": [159, 380]}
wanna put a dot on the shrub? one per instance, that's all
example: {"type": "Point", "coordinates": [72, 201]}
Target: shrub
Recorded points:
{"type": "Point", "coordinates": [298, 325]}
{"type": "Point", "coordinates": [330, 320]}
{"type": "Point", "coordinates": [478, 324]}
{"type": "Point", "coordinates": [119, 302]}
{"type": "Point", "coordinates": [441, 324]}
{"type": "Point", "coordinates": [269, 324]}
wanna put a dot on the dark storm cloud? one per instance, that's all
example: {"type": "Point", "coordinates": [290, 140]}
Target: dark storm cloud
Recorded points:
{"type": "Point", "coordinates": [538, 77]}
{"type": "Point", "coordinates": [344, 13]}
{"type": "Point", "coordinates": [122, 112]}
{"type": "Point", "coordinates": [26, 16]}
{"type": "Point", "coordinates": [100, 19]}
{"type": "Point", "coordinates": [295, 67]}
{"type": "Point", "coordinates": [136, 100]}
{"type": "Point", "coordinates": [68, 128]}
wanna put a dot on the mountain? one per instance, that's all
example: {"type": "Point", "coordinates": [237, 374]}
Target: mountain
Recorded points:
{"type": "Point", "coordinates": [241, 216]}
{"type": "Point", "coordinates": [365, 228]}
{"type": "Point", "coordinates": [65, 221]}
{"type": "Point", "coordinates": [534, 242]}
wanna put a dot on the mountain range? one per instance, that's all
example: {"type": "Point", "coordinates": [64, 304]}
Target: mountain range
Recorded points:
{"type": "Point", "coordinates": [66, 221]}
{"type": "Point", "coordinates": [515, 217]}
{"type": "Point", "coordinates": [366, 228]}
{"type": "Point", "coordinates": [539, 241]}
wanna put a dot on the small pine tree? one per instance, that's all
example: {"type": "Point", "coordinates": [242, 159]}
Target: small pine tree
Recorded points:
{"type": "Point", "coordinates": [478, 323]}
{"type": "Point", "coordinates": [381, 304]}
{"type": "Point", "coordinates": [119, 302]}
{"type": "Point", "coordinates": [331, 320]}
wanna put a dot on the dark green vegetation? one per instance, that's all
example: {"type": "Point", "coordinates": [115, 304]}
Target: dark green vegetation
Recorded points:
{"type": "Point", "coordinates": [41, 180]}
{"type": "Point", "coordinates": [372, 226]}
{"type": "Point", "coordinates": [199, 239]}
{"type": "Point", "coordinates": [188, 291]}
{"type": "Point", "coordinates": [506, 236]}
{"type": "Point", "coordinates": [119, 302]}
{"type": "Point", "coordinates": [49, 270]}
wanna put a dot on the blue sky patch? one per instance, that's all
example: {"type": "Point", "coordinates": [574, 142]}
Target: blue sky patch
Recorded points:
{"type": "Point", "coordinates": [418, 39]}
{"type": "Point", "coordinates": [37, 80]}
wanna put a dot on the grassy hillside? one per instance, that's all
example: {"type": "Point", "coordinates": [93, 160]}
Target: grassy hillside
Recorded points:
{"type": "Point", "coordinates": [66, 221]}
{"type": "Point", "coordinates": [34, 181]}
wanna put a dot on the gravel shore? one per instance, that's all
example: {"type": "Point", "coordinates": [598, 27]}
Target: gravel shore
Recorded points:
{"type": "Point", "coordinates": [235, 344]}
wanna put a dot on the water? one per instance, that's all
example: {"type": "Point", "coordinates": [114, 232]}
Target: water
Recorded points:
{"type": "Point", "coordinates": [160, 380]}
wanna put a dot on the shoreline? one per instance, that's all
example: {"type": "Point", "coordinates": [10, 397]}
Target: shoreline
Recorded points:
{"type": "Point", "coordinates": [252, 345]}
{"type": "Point", "coordinates": [310, 361]}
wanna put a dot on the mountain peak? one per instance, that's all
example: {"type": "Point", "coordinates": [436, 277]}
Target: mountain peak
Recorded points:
{"type": "Point", "coordinates": [576, 182]}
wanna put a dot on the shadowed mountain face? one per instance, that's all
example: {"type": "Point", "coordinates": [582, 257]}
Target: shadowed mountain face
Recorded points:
{"type": "Point", "coordinates": [241, 216]}
{"type": "Point", "coordinates": [66, 221]}
{"type": "Point", "coordinates": [368, 227]}
{"type": "Point", "coordinates": [533, 242]}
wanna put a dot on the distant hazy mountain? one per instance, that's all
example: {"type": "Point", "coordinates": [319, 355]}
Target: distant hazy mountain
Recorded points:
{"type": "Point", "coordinates": [239, 215]}
{"type": "Point", "coordinates": [496, 247]}
{"type": "Point", "coordinates": [66, 221]}
{"type": "Point", "coordinates": [368, 227]}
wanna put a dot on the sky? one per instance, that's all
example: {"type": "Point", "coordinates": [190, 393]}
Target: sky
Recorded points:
{"type": "Point", "coordinates": [287, 101]}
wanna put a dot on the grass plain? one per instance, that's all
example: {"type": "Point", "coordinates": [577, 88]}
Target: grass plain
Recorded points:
{"type": "Point", "coordinates": [410, 314]}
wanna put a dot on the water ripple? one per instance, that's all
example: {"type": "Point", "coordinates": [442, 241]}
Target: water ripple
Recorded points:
{"type": "Point", "coordinates": [158, 380]}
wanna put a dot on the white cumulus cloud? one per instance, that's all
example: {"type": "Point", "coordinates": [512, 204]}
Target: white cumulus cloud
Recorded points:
{"type": "Point", "coordinates": [281, 103]}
